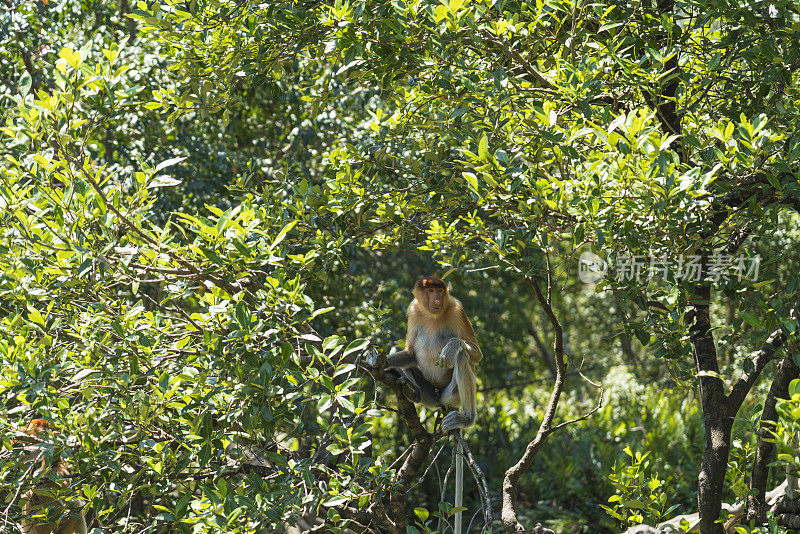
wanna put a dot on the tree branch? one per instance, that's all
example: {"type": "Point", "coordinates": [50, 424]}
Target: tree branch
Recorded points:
{"type": "Point", "coordinates": [756, 498]}
{"type": "Point", "coordinates": [480, 479]}
{"type": "Point", "coordinates": [506, 50]}
{"type": "Point", "coordinates": [761, 359]}
{"type": "Point", "coordinates": [513, 474]}
{"type": "Point", "coordinates": [547, 356]}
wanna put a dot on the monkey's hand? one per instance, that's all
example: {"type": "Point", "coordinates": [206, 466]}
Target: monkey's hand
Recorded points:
{"type": "Point", "coordinates": [449, 354]}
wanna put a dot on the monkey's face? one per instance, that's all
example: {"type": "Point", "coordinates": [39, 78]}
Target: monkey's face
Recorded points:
{"type": "Point", "coordinates": [431, 293]}
{"type": "Point", "coordinates": [38, 427]}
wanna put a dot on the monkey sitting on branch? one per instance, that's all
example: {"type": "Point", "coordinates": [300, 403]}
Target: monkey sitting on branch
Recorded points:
{"type": "Point", "coordinates": [437, 366]}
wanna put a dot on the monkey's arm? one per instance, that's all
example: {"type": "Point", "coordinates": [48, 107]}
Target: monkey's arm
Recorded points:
{"type": "Point", "coordinates": [462, 390]}
{"type": "Point", "coordinates": [404, 359]}
{"type": "Point", "coordinates": [447, 357]}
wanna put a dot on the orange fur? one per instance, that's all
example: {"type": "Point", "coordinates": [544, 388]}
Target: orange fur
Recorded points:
{"type": "Point", "coordinates": [46, 492]}
{"type": "Point", "coordinates": [450, 318]}
{"type": "Point", "coordinates": [37, 427]}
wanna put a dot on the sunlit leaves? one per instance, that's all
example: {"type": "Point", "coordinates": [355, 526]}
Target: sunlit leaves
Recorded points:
{"type": "Point", "coordinates": [177, 337]}
{"type": "Point", "coordinates": [496, 135]}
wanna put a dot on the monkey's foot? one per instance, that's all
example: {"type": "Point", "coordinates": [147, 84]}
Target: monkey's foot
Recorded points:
{"type": "Point", "coordinates": [455, 420]}
{"type": "Point", "coordinates": [410, 390]}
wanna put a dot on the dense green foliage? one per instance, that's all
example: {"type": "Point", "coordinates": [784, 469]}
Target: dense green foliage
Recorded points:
{"type": "Point", "coordinates": [213, 211]}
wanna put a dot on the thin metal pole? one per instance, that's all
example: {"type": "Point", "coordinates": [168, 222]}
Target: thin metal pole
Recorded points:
{"type": "Point", "coordinates": [459, 481]}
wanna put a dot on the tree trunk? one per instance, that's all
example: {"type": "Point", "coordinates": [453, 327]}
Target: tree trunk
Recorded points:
{"type": "Point", "coordinates": [719, 409]}
{"type": "Point", "coordinates": [756, 505]}
{"type": "Point", "coordinates": [711, 480]}
{"type": "Point", "coordinates": [716, 416]}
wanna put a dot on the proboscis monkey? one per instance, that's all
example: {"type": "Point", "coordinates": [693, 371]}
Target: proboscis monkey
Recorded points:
{"type": "Point", "coordinates": [46, 498]}
{"type": "Point", "coordinates": [440, 355]}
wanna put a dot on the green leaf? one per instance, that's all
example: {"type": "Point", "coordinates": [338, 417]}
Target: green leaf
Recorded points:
{"type": "Point", "coordinates": [729, 131]}
{"type": "Point", "coordinates": [243, 314]}
{"type": "Point", "coordinates": [471, 179]}
{"type": "Point", "coordinates": [111, 54]}
{"type": "Point", "coordinates": [356, 346]}
{"type": "Point", "coordinates": [609, 26]}
{"type": "Point", "coordinates": [643, 336]}
{"type": "Point", "coordinates": [35, 316]}
{"type": "Point", "coordinates": [320, 311]}
{"type": "Point", "coordinates": [483, 148]}
{"type": "Point", "coordinates": [335, 450]}
{"type": "Point", "coordinates": [72, 57]}
{"type": "Point", "coordinates": [163, 181]}
{"type": "Point", "coordinates": [344, 369]}
{"type": "Point", "coordinates": [440, 13]}
{"type": "Point", "coordinates": [671, 509]}
{"type": "Point", "coordinates": [25, 83]}
{"type": "Point", "coordinates": [713, 63]}
{"type": "Point", "coordinates": [330, 342]}
{"type": "Point", "coordinates": [83, 373]}
{"type": "Point", "coordinates": [168, 163]}
{"type": "Point", "coordinates": [619, 120]}
{"type": "Point", "coordinates": [282, 234]}
{"type": "Point", "coordinates": [794, 387]}
{"type": "Point", "coordinates": [634, 503]}
{"type": "Point", "coordinates": [335, 501]}
{"type": "Point", "coordinates": [752, 320]}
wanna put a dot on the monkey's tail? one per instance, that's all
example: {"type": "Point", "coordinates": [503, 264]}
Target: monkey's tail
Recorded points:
{"type": "Point", "coordinates": [467, 389]}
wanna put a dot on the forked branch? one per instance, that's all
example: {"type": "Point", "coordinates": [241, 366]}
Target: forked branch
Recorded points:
{"type": "Point", "coordinates": [513, 474]}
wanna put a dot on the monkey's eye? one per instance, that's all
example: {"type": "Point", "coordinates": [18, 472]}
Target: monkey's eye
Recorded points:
{"type": "Point", "coordinates": [430, 290]}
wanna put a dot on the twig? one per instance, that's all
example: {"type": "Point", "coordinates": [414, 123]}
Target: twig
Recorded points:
{"type": "Point", "coordinates": [422, 477]}
{"type": "Point", "coordinates": [589, 413]}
